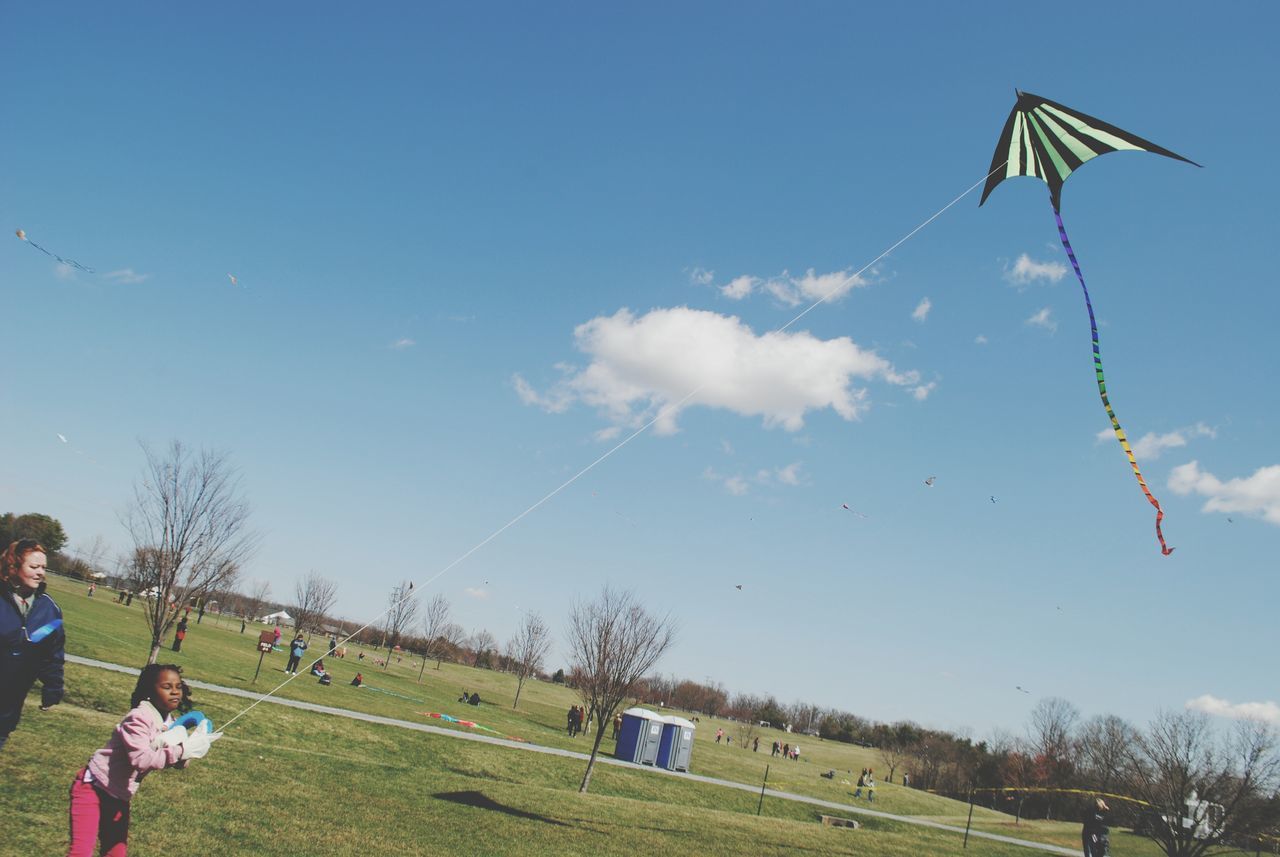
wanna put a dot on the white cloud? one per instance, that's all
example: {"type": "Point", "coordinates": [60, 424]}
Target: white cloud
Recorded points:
{"type": "Point", "coordinates": [660, 363]}
{"type": "Point", "coordinates": [1150, 446]}
{"type": "Point", "coordinates": [701, 276]}
{"type": "Point", "coordinates": [921, 312]}
{"type": "Point", "coordinates": [127, 276]}
{"type": "Point", "coordinates": [738, 484]}
{"type": "Point", "coordinates": [739, 287]}
{"type": "Point", "coordinates": [608, 433]}
{"type": "Point", "coordinates": [1268, 712]}
{"type": "Point", "coordinates": [922, 391]}
{"type": "Point", "coordinates": [63, 271]}
{"type": "Point", "coordinates": [1026, 270]}
{"type": "Point", "coordinates": [402, 343]}
{"type": "Point", "coordinates": [1258, 494]}
{"type": "Point", "coordinates": [813, 286]}
{"type": "Point", "coordinates": [726, 447]}
{"type": "Point", "coordinates": [476, 592]}
{"type": "Point", "coordinates": [789, 475]}
{"type": "Point", "coordinates": [1043, 318]}
{"type": "Point", "coordinates": [980, 339]}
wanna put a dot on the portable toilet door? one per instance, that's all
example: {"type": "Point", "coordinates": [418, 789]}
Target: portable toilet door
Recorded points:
{"type": "Point", "coordinates": [681, 743]}
{"type": "Point", "coordinates": [635, 722]}
{"type": "Point", "coordinates": [650, 739]}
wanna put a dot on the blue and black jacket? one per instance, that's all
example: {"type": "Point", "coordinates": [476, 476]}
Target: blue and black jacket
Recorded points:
{"type": "Point", "coordinates": [30, 652]}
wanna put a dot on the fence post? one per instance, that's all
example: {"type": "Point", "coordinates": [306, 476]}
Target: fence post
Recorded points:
{"type": "Point", "coordinates": [968, 823]}
{"type": "Point", "coordinates": [762, 785]}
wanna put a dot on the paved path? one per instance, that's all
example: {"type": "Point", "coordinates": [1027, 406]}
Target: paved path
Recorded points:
{"type": "Point", "coordinates": [573, 754]}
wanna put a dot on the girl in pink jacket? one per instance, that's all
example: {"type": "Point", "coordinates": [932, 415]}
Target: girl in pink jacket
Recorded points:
{"type": "Point", "coordinates": [144, 741]}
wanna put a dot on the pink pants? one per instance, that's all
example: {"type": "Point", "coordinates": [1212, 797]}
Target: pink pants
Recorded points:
{"type": "Point", "coordinates": [97, 817]}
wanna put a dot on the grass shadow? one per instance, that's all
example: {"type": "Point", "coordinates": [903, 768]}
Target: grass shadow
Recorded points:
{"type": "Point", "coordinates": [479, 800]}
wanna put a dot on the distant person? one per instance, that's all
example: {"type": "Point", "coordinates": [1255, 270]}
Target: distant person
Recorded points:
{"type": "Point", "coordinates": [128, 600]}
{"type": "Point", "coordinates": [333, 644]}
{"type": "Point", "coordinates": [275, 644]}
{"type": "Point", "coordinates": [93, 587]}
{"type": "Point", "coordinates": [786, 751]}
{"type": "Point", "coordinates": [617, 725]}
{"type": "Point", "coordinates": [297, 649]}
{"type": "Point", "coordinates": [200, 614]}
{"type": "Point", "coordinates": [719, 735]}
{"type": "Point", "coordinates": [243, 623]}
{"type": "Point", "coordinates": [145, 741]}
{"type": "Point", "coordinates": [572, 720]}
{"type": "Point", "coordinates": [755, 745]}
{"type": "Point", "coordinates": [862, 783]}
{"type": "Point", "coordinates": [317, 669]}
{"type": "Point", "coordinates": [465, 696]}
{"type": "Point", "coordinates": [1095, 836]}
{"type": "Point", "coordinates": [180, 634]}
{"type": "Point", "coordinates": [776, 749]}
{"type": "Point", "coordinates": [474, 700]}
{"type": "Point", "coordinates": [31, 632]}
{"type": "Point", "coordinates": [357, 681]}
{"type": "Point", "coordinates": [871, 785]}
{"type": "Point", "coordinates": [904, 781]}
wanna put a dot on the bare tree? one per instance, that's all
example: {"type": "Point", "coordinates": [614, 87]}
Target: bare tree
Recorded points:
{"type": "Point", "coordinates": [483, 644]}
{"type": "Point", "coordinates": [253, 602]}
{"type": "Point", "coordinates": [433, 623]}
{"type": "Point", "coordinates": [1207, 790]}
{"type": "Point", "coordinates": [614, 642]}
{"type": "Point", "coordinates": [1106, 745]}
{"type": "Point", "coordinates": [1053, 723]}
{"type": "Point", "coordinates": [313, 597]}
{"type": "Point", "coordinates": [528, 647]}
{"type": "Point", "coordinates": [189, 525]}
{"type": "Point", "coordinates": [402, 609]}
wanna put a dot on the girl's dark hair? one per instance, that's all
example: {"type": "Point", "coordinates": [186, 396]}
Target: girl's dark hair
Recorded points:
{"type": "Point", "coordinates": [147, 685]}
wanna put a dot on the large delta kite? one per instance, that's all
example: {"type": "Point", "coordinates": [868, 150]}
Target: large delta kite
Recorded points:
{"type": "Point", "coordinates": [1049, 141]}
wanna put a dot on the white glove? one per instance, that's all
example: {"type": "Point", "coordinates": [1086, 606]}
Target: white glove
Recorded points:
{"type": "Point", "coordinates": [198, 740]}
{"type": "Point", "coordinates": [173, 736]}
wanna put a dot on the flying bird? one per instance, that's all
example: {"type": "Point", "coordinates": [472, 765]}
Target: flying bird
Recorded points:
{"type": "Point", "coordinates": [1049, 141]}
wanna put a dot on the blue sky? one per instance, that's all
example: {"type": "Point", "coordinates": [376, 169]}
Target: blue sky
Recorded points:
{"type": "Point", "coordinates": [476, 247]}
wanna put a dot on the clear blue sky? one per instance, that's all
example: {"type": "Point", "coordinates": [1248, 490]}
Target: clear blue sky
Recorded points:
{"type": "Point", "coordinates": [473, 245]}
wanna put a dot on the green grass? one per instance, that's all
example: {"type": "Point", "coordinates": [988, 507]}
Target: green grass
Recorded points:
{"type": "Point", "coordinates": [288, 780]}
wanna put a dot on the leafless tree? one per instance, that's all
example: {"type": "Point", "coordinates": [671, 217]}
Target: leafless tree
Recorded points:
{"type": "Point", "coordinates": [1052, 736]}
{"type": "Point", "coordinates": [528, 647]}
{"type": "Point", "coordinates": [313, 597]}
{"type": "Point", "coordinates": [1106, 745]}
{"type": "Point", "coordinates": [483, 644]}
{"type": "Point", "coordinates": [1207, 789]}
{"type": "Point", "coordinates": [433, 623]}
{"type": "Point", "coordinates": [253, 602]}
{"type": "Point", "coordinates": [190, 532]}
{"type": "Point", "coordinates": [614, 642]}
{"type": "Point", "coordinates": [402, 609]}
{"type": "Point", "coordinates": [453, 637]}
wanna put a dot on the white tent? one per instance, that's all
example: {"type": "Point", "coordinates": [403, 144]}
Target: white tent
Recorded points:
{"type": "Point", "coordinates": [278, 616]}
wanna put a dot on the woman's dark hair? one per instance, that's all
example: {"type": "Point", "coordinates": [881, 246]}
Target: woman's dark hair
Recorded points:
{"type": "Point", "coordinates": [147, 684]}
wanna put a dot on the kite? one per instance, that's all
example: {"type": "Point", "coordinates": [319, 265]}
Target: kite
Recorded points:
{"type": "Point", "coordinates": [1023, 689]}
{"type": "Point", "coordinates": [233, 280]}
{"type": "Point", "coordinates": [930, 481]}
{"type": "Point", "coordinates": [70, 262]}
{"type": "Point", "coordinates": [470, 724]}
{"type": "Point", "coordinates": [61, 436]}
{"type": "Point", "coordinates": [1047, 140]}
{"type": "Point", "coordinates": [738, 587]}
{"type": "Point", "coordinates": [993, 498]}
{"type": "Point", "coordinates": [845, 506]}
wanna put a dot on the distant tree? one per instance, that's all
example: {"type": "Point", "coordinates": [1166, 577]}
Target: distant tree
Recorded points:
{"type": "Point", "coordinates": [1224, 786]}
{"type": "Point", "coordinates": [483, 645]}
{"type": "Point", "coordinates": [434, 619]}
{"type": "Point", "coordinates": [252, 602]}
{"type": "Point", "coordinates": [613, 642]}
{"type": "Point", "coordinates": [558, 676]}
{"type": "Point", "coordinates": [454, 638]}
{"type": "Point", "coordinates": [402, 609]}
{"type": "Point", "coordinates": [189, 525]}
{"type": "Point", "coordinates": [528, 648]}
{"type": "Point", "coordinates": [1052, 737]}
{"type": "Point", "coordinates": [313, 598]}
{"type": "Point", "coordinates": [33, 525]}
{"type": "Point", "coordinates": [1106, 744]}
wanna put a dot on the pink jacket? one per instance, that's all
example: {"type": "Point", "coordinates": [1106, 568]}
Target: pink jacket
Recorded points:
{"type": "Point", "coordinates": [133, 750]}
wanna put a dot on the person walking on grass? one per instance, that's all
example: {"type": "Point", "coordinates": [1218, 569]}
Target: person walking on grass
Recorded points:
{"type": "Point", "coordinates": [297, 649]}
{"type": "Point", "coordinates": [1095, 836]}
{"type": "Point", "coordinates": [146, 740]}
{"type": "Point", "coordinates": [180, 634]}
{"type": "Point", "coordinates": [31, 633]}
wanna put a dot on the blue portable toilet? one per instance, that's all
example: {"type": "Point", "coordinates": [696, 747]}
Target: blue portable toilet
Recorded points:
{"type": "Point", "coordinates": [676, 745]}
{"type": "Point", "coordinates": [634, 738]}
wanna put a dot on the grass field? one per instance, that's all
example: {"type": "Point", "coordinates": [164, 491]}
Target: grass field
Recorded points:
{"type": "Point", "coordinates": [287, 780]}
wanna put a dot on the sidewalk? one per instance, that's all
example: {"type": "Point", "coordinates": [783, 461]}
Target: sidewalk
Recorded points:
{"type": "Point", "coordinates": [573, 754]}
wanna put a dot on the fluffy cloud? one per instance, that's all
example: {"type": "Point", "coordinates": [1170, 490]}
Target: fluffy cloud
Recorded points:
{"type": "Point", "coordinates": [980, 339]}
{"type": "Point", "coordinates": [790, 290]}
{"type": "Point", "coordinates": [655, 365]}
{"type": "Point", "coordinates": [1151, 445]}
{"type": "Point", "coordinates": [1268, 712]}
{"type": "Point", "coordinates": [738, 484]}
{"type": "Point", "coordinates": [921, 312]}
{"type": "Point", "coordinates": [1043, 318]}
{"type": "Point", "coordinates": [739, 287]}
{"type": "Point", "coordinates": [702, 277]}
{"type": "Point", "coordinates": [401, 344]}
{"type": "Point", "coordinates": [1026, 270]}
{"type": "Point", "coordinates": [127, 276]}
{"type": "Point", "coordinates": [1258, 494]}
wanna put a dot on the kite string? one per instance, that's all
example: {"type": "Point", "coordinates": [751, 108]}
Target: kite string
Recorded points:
{"type": "Point", "coordinates": [1102, 385]}
{"type": "Point", "coordinates": [666, 410]}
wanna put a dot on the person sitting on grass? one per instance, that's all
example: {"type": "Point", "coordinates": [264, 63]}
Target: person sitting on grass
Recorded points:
{"type": "Point", "coordinates": [357, 681]}
{"type": "Point", "coordinates": [146, 740]}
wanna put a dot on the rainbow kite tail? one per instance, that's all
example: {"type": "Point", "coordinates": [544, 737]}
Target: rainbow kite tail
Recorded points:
{"type": "Point", "coordinates": [1102, 385]}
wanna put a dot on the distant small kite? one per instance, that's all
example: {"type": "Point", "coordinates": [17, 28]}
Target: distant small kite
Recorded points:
{"type": "Point", "coordinates": [233, 280]}
{"type": "Point", "coordinates": [1229, 521]}
{"type": "Point", "coordinates": [738, 587]}
{"type": "Point", "coordinates": [71, 262]}
{"type": "Point", "coordinates": [930, 481]}
{"type": "Point", "coordinates": [1023, 689]}
{"type": "Point", "coordinates": [845, 506]}
{"type": "Point", "coordinates": [993, 498]}
{"type": "Point", "coordinates": [62, 437]}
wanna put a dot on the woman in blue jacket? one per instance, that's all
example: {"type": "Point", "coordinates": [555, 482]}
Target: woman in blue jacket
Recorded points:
{"type": "Point", "coordinates": [30, 632]}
